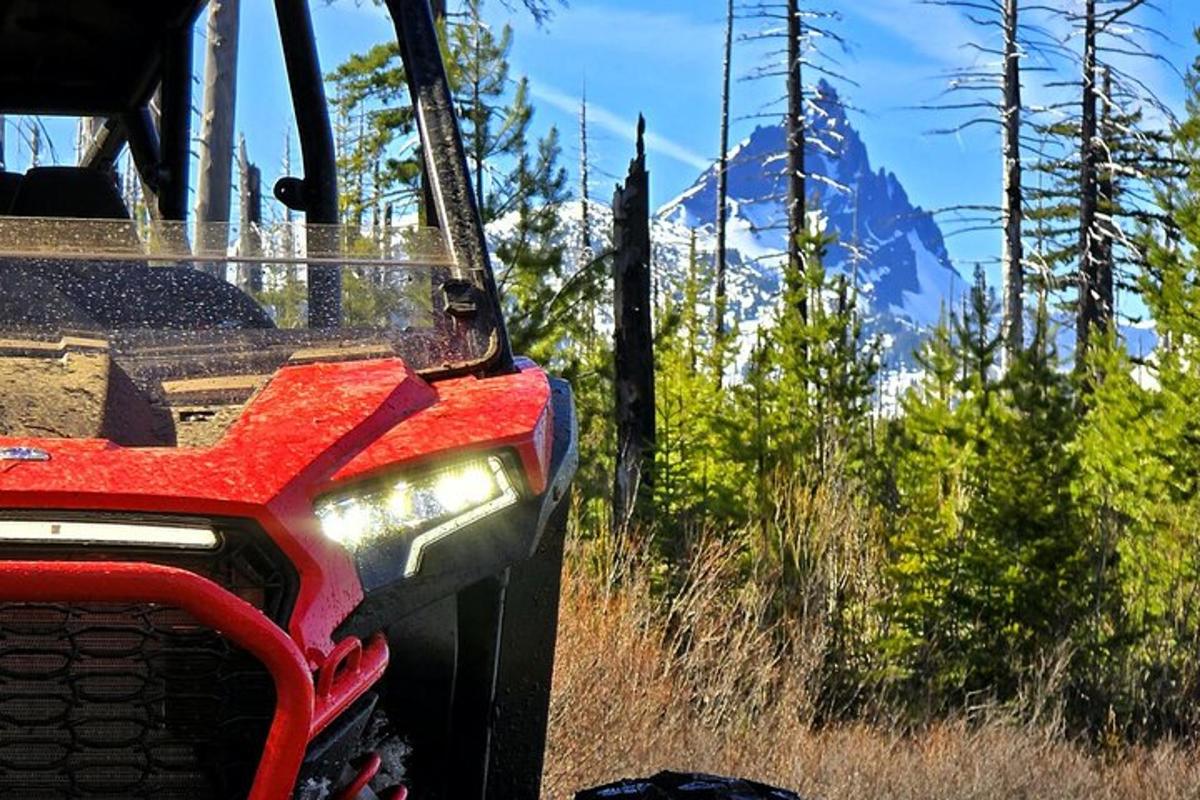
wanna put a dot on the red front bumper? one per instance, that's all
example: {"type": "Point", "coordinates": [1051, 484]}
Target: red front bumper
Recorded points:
{"type": "Point", "coordinates": [297, 707]}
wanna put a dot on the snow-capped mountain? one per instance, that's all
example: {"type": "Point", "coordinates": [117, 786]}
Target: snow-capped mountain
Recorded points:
{"type": "Point", "coordinates": [893, 246]}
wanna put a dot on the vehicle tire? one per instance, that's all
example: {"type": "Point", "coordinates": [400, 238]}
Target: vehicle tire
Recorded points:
{"type": "Point", "coordinates": [678, 786]}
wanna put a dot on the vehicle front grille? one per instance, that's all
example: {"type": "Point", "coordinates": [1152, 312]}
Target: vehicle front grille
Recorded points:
{"type": "Point", "coordinates": [106, 701]}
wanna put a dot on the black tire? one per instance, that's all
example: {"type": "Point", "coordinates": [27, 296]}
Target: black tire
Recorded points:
{"type": "Point", "coordinates": [677, 786]}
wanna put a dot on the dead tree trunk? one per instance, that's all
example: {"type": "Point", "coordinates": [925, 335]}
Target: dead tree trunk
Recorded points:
{"type": "Point", "coordinates": [1012, 211]}
{"type": "Point", "coordinates": [89, 129]}
{"type": "Point", "coordinates": [1091, 315]}
{"type": "Point", "coordinates": [214, 184]}
{"type": "Point", "coordinates": [796, 141]}
{"type": "Point", "coordinates": [1106, 200]}
{"type": "Point", "coordinates": [289, 238]}
{"type": "Point", "coordinates": [634, 340]}
{"type": "Point", "coordinates": [250, 228]}
{"type": "Point", "coordinates": [585, 192]}
{"type": "Point", "coordinates": [721, 257]}
{"type": "Point", "coordinates": [35, 145]}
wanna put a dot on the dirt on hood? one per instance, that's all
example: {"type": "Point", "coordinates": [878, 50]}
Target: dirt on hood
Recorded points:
{"type": "Point", "coordinates": [76, 390]}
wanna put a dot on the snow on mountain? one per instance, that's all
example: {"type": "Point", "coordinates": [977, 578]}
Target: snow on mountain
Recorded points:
{"type": "Point", "coordinates": [894, 247]}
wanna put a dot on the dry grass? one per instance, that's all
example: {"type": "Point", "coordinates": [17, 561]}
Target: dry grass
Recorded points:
{"type": "Point", "coordinates": [630, 699]}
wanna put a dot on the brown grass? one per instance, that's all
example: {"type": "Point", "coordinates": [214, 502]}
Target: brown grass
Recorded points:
{"type": "Point", "coordinates": [631, 699]}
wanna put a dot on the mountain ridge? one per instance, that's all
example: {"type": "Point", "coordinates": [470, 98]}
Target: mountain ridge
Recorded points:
{"type": "Point", "coordinates": [894, 248]}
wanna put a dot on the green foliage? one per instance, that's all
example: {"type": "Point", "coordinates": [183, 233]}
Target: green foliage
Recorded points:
{"type": "Point", "coordinates": [378, 160]}
{"type": "Point", "coordinates": [374, 116]}
{"type": "Point", "coordinates": [816, 372]}
{"type": "Point", "coordinates": [985, 560]}
{"type": "Point", "coordinates": [696, 482]}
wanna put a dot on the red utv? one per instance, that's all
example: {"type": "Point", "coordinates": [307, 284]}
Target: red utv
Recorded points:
{"type": "Point", "coordinates": [255, 542]}
{"type": "Point", "coordinates": [278, 519]}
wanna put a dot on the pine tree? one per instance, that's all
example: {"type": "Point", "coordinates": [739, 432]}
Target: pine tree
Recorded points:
{"type": "Point", "coordinates": [545, 303]}
{"type": "Point", "coordinates": [1140, 446]}
{"type": "Point", "coordinates": [493, 108]}
{"type": "Point", "coordinates": [825, 371]}
{"type": "Point", "coordinates": [373, 124]}
{"type": "Point", "coordinates": [697, 482]}
{"type": "Point", "coordinates": [1102, 156]}
{"type": "Point", "coordinates": [927, 528]}
{"type": "Point", "coordinates": [988, 561]}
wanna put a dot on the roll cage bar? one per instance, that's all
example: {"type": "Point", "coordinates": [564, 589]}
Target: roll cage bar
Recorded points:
{"type": "Point", "coordinates": [161, 153]}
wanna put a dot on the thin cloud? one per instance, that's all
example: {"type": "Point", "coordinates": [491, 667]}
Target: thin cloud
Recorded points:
{"type": "Point", "coordinates": [934, 32]}
{"type": "Point", "coordinates": [615, 124]}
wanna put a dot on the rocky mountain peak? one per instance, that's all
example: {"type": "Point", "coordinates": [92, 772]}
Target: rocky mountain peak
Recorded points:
{"type": "Point", "coordinates": [894, 247]}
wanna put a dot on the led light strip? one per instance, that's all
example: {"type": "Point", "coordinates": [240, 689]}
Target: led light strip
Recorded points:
{"type": "Point", "coordinates": [420, 543]}
{"type": "Point", "coordinates": [107, 533]}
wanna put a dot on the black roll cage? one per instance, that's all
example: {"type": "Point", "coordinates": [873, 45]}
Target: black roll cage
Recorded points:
{"type": "Point", "coordinates": [161, 153]}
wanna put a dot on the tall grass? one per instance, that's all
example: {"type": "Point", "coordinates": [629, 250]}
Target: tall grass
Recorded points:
{"type": "Point", "coordinates": [704, 672]}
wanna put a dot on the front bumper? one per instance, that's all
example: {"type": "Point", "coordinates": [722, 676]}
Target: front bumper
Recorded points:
{"type": "Point", "coordinates": [298, 712]}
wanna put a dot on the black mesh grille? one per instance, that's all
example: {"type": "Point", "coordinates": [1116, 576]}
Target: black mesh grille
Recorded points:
{"type": "Point", "coordinates": [126, 701]}
{"type": "Point", "coordinates": [248, 565]}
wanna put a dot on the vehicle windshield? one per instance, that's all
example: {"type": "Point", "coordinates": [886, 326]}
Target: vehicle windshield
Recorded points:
{"type": "Point", "coordinates": [192, 212]}
{"type": "Point", "coordinates": [174, 288]}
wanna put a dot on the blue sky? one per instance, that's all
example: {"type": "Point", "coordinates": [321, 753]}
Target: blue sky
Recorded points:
{"type": "Point", "coordinates": [663, 58]}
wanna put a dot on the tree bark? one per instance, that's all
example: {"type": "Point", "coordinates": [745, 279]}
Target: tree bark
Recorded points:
{"type": "Point", "coordinates": [89, 127]}
{"type": "Point", "coordinates": [585, 192]}
{"type": "Point", "coordinates": [1090, 315]}
{"type": "Point", "coordinates": [35, 146]}
{"type": "Point", "coordinates": [796, 140]}
{"type": "Point", "coordinates": [1012, 206]}
{"type": "Point", "coordinates": [634, 340]}
{"type": "Point", "coordinates": [721, 257]}
{"type": "Point", "coordinates": [214, 183]}
{"type": "Point", "coordinates": [250, 208]}
{"type": "Point", "coordinates": [1105, 204]}
{"type": "Point", "coordinates": [289, 239]}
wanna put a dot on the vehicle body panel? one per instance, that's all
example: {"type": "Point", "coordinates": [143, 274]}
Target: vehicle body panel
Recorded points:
{"type": "Point", "coordinates": [310, 428]}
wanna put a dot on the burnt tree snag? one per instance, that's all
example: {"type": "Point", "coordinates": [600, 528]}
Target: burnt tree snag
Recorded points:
{"type": "Point", "coordinates": [1012, 207]}
{"type": "Point", "coordinates": [721, 258]}
{"type": "Point", "coordinates": [634, 339]}
{"type": "Point", "coordinates": [250, 229]}
{"type": "Point", "coordinates": [1094, 312]}
{"type": "Point", "coordinates": [796, 141]}
{"type": "Point", "coordinates": [214, 180]}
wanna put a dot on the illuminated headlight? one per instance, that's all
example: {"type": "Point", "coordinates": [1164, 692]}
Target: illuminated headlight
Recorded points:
{"type": "Point", "coordinates": [425, 508]}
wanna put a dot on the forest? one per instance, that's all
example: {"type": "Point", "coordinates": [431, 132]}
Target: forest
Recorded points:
{"type": "Point", "coordinates": [1017, 537]}
{"type": "Point", "coordinates": [1019, 533]}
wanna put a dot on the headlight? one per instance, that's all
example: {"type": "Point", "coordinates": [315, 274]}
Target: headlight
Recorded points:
{"type": "Point", "coordinates": [423, 508]}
